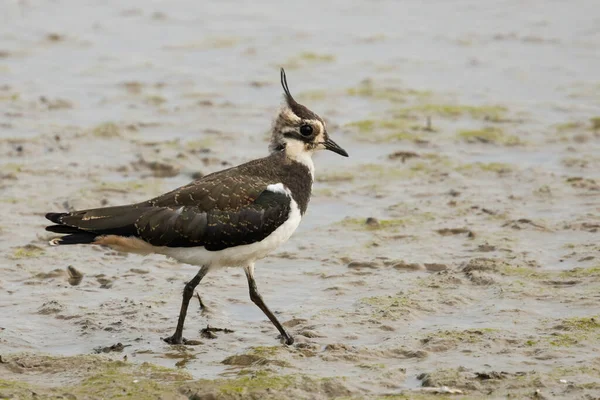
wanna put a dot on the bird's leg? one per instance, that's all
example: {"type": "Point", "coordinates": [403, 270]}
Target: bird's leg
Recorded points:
{"type": "Point", "coordinates": [188, 292]}
{"type": "Point", "coordinates": [258, 300]}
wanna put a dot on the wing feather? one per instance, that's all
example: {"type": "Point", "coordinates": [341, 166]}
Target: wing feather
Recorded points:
{"type": "Point", "coordinates": [185, 225]}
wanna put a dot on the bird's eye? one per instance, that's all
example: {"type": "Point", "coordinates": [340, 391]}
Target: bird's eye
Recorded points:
{"type": "Point", "coordinates": [306, 130]}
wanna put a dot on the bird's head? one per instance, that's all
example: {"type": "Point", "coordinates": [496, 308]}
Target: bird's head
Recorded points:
{"type": "Point", "coordinates": [298, 131]}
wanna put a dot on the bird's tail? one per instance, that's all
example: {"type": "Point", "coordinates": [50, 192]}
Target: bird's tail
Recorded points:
{"type": "Point", "coordinates": [83, 227]}
{"type": "Point", "coordinates": [76, 238]}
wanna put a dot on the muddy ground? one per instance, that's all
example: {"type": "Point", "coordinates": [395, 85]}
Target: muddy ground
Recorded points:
{"type": "Point", "coordinates": [455, 254]}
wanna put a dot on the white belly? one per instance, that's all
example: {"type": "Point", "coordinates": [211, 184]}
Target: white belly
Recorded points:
{"type": "Point", "coordinates": [239, 255]}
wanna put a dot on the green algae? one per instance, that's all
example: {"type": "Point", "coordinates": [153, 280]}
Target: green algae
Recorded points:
{"type": "Point", "coordinates": [316, 57]}
{"type": "Point", "coordinates": [525, 272]}
{"type": "Point", "coordinates": [6, 384]}
{"type": "Point", "coordinates": [214, 42]}
{"type": "Point", "coordinates": [489, 135]}
{"type": "Point", "coordinates": [363, 224]}
{"type": "Point", "coordinates": [27, 251]}
{"type": "Point", "coordinates": [10, 97]}
{"type": "Point", "coordinates": [308, 58]}
{"type": "Point", "coordinates": [368, 89]}
{"type": "Point", "coordinates": [401, 136]}
{"type": "Point", "coordinates": [256, 357]}
{"type": "Point", "coordinates": [17, 390]}
{"type": "Point", "coordinates": [386, 301]}
{"type": "Point", "coordinates": [115, 384]}
{"type": "Point", "coordinates": [107, 130]}
{"type": "Point", "coordinates": [497, 167]}
{"type": "Point", "coordinates": [256, 382]}
{"type": "Point", "coordinates": [222, 42]}
{"type": "Point", "coordinates": [366, 172]}
{"type": "Point", "coordinates": [569, 332]}
{"type": "Point", "coordinates": [581, 272]}
{"type": "Point", "coordinates": [442, 377]}
{"type": "Point", "coordinates": [464, 336]}
{"type": "Point", "coordinates": [12, 167]}
{"type": "Point", "coordinates": [563, 340]}
{"type": "Point", "coordinates": [380, 171]}
{"type": "Point", "coordinates": [390, 307]}
{"type": "Point", "coordinates": [412, 395]}
{"type": "Point", "coordinates": [164, 374]}
{"type": "Point", "coordinates": [335, 176]}
{"type": "Point", "coordinates": [492, 113]}
{"type": "Point", "coordinates": [155, 100]}
{"type": "Point", "coordinates": [589, 324]}
{"type": "Point", "coordinates": [589, 370]}
{"type": "Point", "coordinates": [369, 125]}
{"type": "Point", "coordinates": [386, 224]}
{"type": "Point", "coordinates": [569, 126]}
{"type": "Point", "coordinates": [101, 376]}
{"type": "Point", "coordinates": [385, 130]}
{"type": "Point", "coordinates": [323, 192]}
{"type": "Point", "coordinates": [265, 385]}
{"type": "Point", "coordinates": [523, 384]}
{"type": "Point", "coordinates": [312, 95]}
{"type": "Point", "coordinates": [265, 351]}
{"type": "Point", "coordinates": [200, 144]}
{"type": "Point", "coordinates": [372, 366]}
{"type": "Point", "coordinates": [364, 126]}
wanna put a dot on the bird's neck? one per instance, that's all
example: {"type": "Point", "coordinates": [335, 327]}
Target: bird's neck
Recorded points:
{"type": "Point", "coordinates": [296, 173]}
{"type": "Point", "coordinates": [297, 152]}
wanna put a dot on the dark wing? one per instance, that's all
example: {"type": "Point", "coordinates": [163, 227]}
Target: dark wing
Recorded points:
{"type": "Point", "coordinates": [225, 190]}
{"type": "Point", "coordinates": [215, 229]}
{"type": "Point", "coordinates": [162, 223]}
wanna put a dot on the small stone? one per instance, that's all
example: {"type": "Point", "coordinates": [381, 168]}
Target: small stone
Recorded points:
{"type": "Point", "coordinates": [403, 155]}
{"type": "Point", "coordinates": [402, 265]}
{"type": "Point", "coordinates": [435, 267]}
{"type": "Point", "coordinates": [139, 271]}
{"type": "Point", "coordinates": [75, 277]}
{"type": "Point", "coordinates": [196, 175]}
{"type": "Point", "coordinates": [484, 248]}
{"type": "Point", "coordinates": [363, 264]}
{"type": "Point", "coordinates": [372, 222]}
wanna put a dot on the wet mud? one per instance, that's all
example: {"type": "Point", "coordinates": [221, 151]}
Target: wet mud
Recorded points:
{"type": "Point", "coordinates": [455, 254]}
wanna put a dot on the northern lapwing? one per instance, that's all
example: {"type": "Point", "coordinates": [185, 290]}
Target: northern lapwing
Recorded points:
{"type": "Point", "coordinates": [229, 218]}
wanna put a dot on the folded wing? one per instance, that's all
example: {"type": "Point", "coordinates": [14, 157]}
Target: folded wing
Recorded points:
{"type": "Point", "coordinates": [186, 217]}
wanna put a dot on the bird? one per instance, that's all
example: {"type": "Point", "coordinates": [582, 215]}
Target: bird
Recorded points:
{"type": "Point", "coordinates": [230, 218]}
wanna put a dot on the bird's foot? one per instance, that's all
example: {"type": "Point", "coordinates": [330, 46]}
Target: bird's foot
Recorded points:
{"type": "Point", "coordinates": [287, 339]}
{"type": "Point", "coordinates": [174, 339]}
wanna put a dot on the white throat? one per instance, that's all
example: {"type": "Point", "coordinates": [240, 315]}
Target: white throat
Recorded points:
{"type": "Point", "coordinates": [296, 151]}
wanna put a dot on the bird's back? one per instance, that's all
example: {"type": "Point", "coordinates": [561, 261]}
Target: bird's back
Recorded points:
{"type": "Point", "coordinates": [237, 206]}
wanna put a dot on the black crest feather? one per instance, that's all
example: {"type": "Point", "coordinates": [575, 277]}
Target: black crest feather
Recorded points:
{"type": "Point", "coordinates": [286, 88]}
{"type": "Point", "coordinates": [296, 107]}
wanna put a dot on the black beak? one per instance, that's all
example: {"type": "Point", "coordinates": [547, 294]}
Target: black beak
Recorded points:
{"type": "Point", "coordinates": [333, 146]}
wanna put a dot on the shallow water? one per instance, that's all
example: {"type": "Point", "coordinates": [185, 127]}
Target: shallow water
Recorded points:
{"type": "Point", "coordinates": [88, 88]}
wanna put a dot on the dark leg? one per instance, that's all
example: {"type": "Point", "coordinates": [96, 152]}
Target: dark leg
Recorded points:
{"type": "Point", "coordinates": [257, 299]}
{"type": "Point", "coordinates": [188, 292]}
